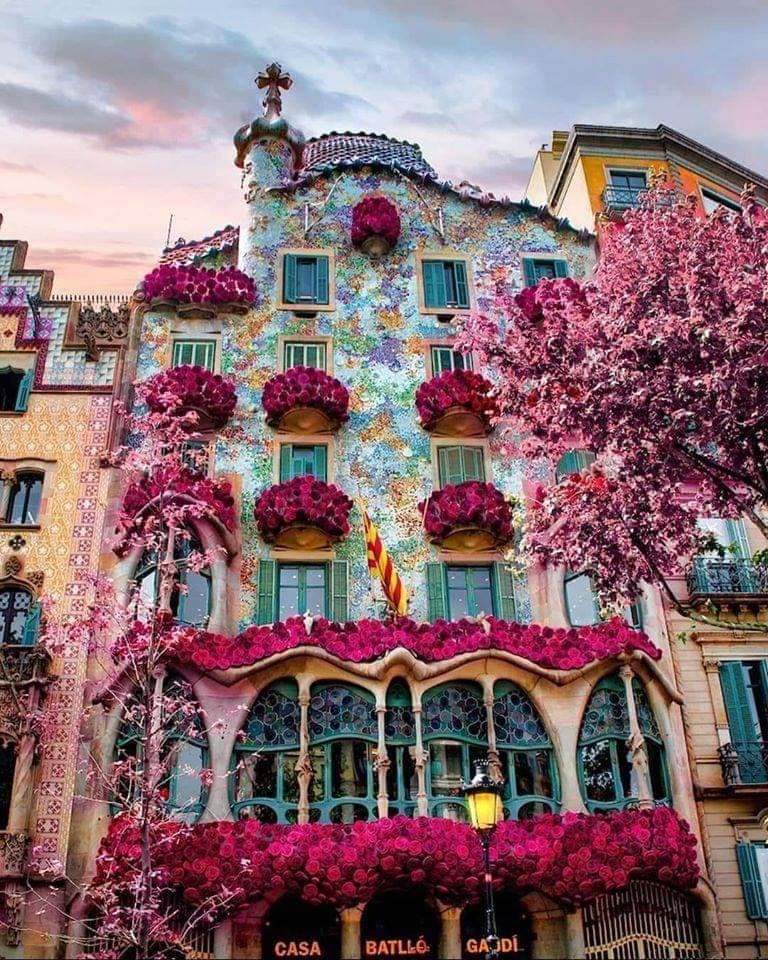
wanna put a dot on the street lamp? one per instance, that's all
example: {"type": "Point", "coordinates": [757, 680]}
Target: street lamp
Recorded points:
{"type": "Point", "coordinates": [483, 798]}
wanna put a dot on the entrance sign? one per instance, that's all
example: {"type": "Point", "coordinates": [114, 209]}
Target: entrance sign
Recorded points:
{"type": "Point", "coordinates": [400, 925]}
{"type": "Point", "coordinates": [293, 928]}
{"type": "Point", "coordinates": [513, 925]}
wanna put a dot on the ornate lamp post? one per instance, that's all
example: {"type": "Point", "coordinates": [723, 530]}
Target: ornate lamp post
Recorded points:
{"type": "Point", "coordinates": [483, 798]}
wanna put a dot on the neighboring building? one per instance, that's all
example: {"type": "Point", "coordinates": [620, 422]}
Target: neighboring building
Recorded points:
{"type": "Point", "coordinates": [332, 734]}
{"type": "Point", "coordinates": [59, 364]}
{"type": "Point", "coordinates": [592, 171]}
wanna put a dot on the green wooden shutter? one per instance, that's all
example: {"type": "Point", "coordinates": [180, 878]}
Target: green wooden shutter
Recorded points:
{"type": "Point", "coordinates": [504, 592]}
{"type": "Point", "coordinates": [433, 273]}
{"type": "Point", "coordinates": [450, 467]}
{"type": "Point", "coordinates": [436, 599]}
{"type": "Point", "coordinates": [529, 272]}
{"type": "Point", "coordinates": [737, 536]}
{"type": "Point", "coordinates": [474, 463]}
{"type": "Point", "coordinates": [321, 280]}
{"type": "Point", "coordinates": [754, 895]}
{"type": "Point", "coordinates": [266, 602]}
{"type": "Point", "coordinates": [339, 591]}
{"type": "Point", "coordinates": [320, 467]}
{"type": "Point", "coordinates": [561, 268]}
{"type": "Point", "coordinates": [32, 625]}
{"type": "Point", "coordinates": [286, 455]}
{"type": "Point", "coordinates": [289, 278]}
{"type": "Point", "coordinates": [736, 698]}
{"type": "Point", "coordinates": [460, 279]}
{"type": "Point", "coordinates": [25, 385]}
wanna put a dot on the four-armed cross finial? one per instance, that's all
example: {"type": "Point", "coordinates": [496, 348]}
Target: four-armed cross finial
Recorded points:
{"type": "Point", "coordinates": [274, 80]}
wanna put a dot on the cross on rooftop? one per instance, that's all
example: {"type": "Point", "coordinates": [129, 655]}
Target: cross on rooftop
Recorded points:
{"type": "Point", "coordinates": [274, 80]}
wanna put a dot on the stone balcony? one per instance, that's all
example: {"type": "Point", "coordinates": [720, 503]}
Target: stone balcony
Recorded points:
{"type": "Point", "coordinates": [23, 664]}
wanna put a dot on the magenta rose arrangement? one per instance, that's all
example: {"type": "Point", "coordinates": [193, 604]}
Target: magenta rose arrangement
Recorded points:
{"type": "Point", "coordinates": [305, 387]}
{"type": "Point", "coordinates": [184, 388]}
{"type": "Point", "coordinates": [363, 641]}
{"type": "Point", "coordinates": [375, 217]}
{"type": "Point", "coordinates": [456, 388]}
{"type": "Point", "coordinates": [304, 501]}
{"type": "Point", "coordinates": [571, 858]}
{"type": "Point", "coordinates": [186, 284]}
{"type": "Point", "coordinates": [142, 503]}
{"type": "Point", "coordinates": [471, 504]}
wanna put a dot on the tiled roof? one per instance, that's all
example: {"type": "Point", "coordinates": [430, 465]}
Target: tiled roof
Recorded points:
{"type": "Point", "coordinates": [335, 151]}
{"type": "Point", "coordinates": [192, 251]}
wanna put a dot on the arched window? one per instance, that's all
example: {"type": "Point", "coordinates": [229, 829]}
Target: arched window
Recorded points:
{"type": "Point", "coordinates": [400, 734]}
{"type": "Point", "coordinates": [19, 617]}
{"type": "Point", "coordinates": [7, 773]}
{"type": "Point", "coordinates": [605, 767]}
{"type": "Point", "coordinates": [525, 751]}
{"type": "Point", "coordinates": [342, 732]}
{"type": "Point", "coordinates": [581, 603]}
{"type": "Point", "coordinates": [264, 784]}
{"type": "Point", "coordinates": [183, 748]}
{"type": "Point", "coordinates": [456, 736]}
{"type": "Point", "coordinates": [24, 499]}
{"type": "Point", "coordinates": [191, 605]}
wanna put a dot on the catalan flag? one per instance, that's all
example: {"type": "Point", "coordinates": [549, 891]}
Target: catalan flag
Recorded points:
{"type": "Point", "coordinates": [381, 566]}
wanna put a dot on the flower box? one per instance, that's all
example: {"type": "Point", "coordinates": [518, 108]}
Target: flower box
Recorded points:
{"type": "Point", "coordinates": [469, 517]}
{"type": "Point", "coordinates": [375, 226]}
{"type": "Point", "coordinates": [197, 291]}
{"type": "Point", "coordinates": [303, 514]}
{"type": "Point", "coordinates": [305, 400]}
{"type": "Point", "coordinates": [457, 403]}
{"type": "Point", "coordinates": [190, 388]}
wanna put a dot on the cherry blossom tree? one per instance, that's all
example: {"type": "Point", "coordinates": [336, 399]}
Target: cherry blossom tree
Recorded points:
{"type": "Point", "coordinates": [658, 365]}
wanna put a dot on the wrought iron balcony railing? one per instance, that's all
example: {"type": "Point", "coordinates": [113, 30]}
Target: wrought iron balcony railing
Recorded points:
{"type": "Point", "coordinates": [744, 761]}
{"type": "Point", "coordinates": [618, 199]}
{"type": "Point", "coordinates": [709, 577]}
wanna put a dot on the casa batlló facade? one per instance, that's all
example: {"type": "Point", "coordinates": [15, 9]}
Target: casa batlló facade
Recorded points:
{"type": "Point", "coordinates": [333, 739]}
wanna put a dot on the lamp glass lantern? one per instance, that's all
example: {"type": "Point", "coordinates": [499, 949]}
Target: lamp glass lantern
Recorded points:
{"type": "Point", "coordinates": [483, 798]}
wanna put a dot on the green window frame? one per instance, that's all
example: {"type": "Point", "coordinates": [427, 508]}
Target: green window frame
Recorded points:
{"type": "Point", "coordinates": [334, 585]}
{"type": "Point", "coordinates": [400, 737]}
{"type": "Point", "coordinates": [460, 463]}
{"type": "Point", "coordinates": [745, 692]}
{"type": "Point", "coordinates": [304, 353]}
{"type": "Point", "coordinates": [305, 278]}
{"type": "Point", "coordinates": [543, 268]}
{"type": "Point", "coordinates": [581, 603]}
{"type": "Point", "coordinates": [15, 386]}
{"type": "Point", "coordinates": [303, 460]}
{"type": "Point", "coordinates": [753, 882]}
{"type": "Point", "coordinates": [192, 606]}
{"type": "Point", "coordinates": [603, 763]}
{"type": "Point", "coordinates": [507, 592]}
{"type": "Point", "coordinates": [20, 617]}
{"type": "Point", "coordinates": [574, 461]}
{"type": "Point", "coordinates": [263, 781]}
{"type": "Point", "coordinates": [196, 353]}
{"type": "Point", "coordinates": [445, 284]}
{"type": "Point", "coordinates": [446, 359]}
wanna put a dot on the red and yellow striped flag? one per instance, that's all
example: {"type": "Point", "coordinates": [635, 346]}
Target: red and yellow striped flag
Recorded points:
{"type": "Point", "coordinates": [381, 566]}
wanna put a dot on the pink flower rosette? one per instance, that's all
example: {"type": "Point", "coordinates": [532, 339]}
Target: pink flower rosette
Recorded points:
{"type": "Point", "coordinates": [303, 502]}
{"type": "Point", "coordinates": [186, 387]}
{"type": "Point", "coordinates": [457, 402]}
{"type": "Point", "coordinates": [198, 285]}
{"type": "Point", "coordinates": [302, 388]}
{"type": "Point", "coordinates": [472, 506]}
{"type": "Point", "coordinates": [375, 217]}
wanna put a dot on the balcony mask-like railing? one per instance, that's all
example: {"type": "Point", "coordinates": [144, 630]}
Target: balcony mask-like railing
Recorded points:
{"type": "Point", "coordinates": [711, 577]}
{"type": "Point", "coordinates": [744, 761]}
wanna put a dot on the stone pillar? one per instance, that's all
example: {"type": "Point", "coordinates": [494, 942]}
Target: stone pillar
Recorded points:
{"type": "Point", "coordinates": [23, 783]}
{"type": "Point", "coordinates": [636, 743]}
{"type": "Point", "coordinates": [304, 764]}
{"type": "Point", "coordinates": [382, 762]}
{"type": "Point", "coordinates": [450, 933]}
{"type": "Point", "coordinates": [574, 935]}
{"type": "Point", "coordinates": [222, 940]}
{"type": "Point", "coordinates": [420, 762]}
{"type": "Point", "coordinates": [350, 933]}
{"type": "Point", "coordinates": [495, 771]}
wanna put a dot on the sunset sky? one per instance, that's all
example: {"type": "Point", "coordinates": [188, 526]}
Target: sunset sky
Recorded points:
{"type": "Point", "coordinates": [114, 115]}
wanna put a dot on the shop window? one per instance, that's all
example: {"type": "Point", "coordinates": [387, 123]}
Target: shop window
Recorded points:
{"type": "Point", "coordinates": [19, 617]}
{"type": "Point", "coordinates": [400, 734]}
{"type": "Point", "coordinates": [445, 359]}
{"type": "Point", "coordinates": [196, 353]}
{"type": "Point", "coordinates": [303, 460]}
{"type": "Point", "coordinates": [445, 284]}
{"type": "Point", "coordinates": [455, 591]}
{"type": "Point", "coordinates": [343, 730]}
{"type": "Point", "coordinates": [301, 353]}
{"type": "Point", "coordinates": [24, 499]}
{"type": "Point", "coordinates": [293, 589]}
{"type": "Point", "coordinates": [543, 268]}
{"type": "Point", "coordinates": [525, 751]}
{"type": "Point", "coordinates": [455, 733]}
{"type": "Point", "coordinates": [191, 596]}
{"type": "Point", "coordinates": [264, 781]}
{"type": "Point", "coordinates": [605, 767]}
{"type": "Point", "coordinates": [460, 463]}
{"type": "Point", "coordinates": [305, 279]}
{"type": "Point", "coordinates": [15, 385]}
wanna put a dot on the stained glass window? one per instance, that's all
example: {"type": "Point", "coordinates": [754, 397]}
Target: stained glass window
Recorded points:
{"type": "Point", "coordinates": [400, 733]}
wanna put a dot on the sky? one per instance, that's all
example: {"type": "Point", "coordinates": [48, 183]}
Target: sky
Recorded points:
{"type": "Point", "coordinates": [115, 115]}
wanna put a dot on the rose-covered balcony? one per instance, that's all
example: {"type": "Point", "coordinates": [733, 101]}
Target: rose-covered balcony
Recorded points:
{"type": "Point", "coordinates": [192, 389]}
{"type": "Point", "coordinates": [457, 403]}
{"type": "Point", "coordinates": [305, 400]}
{"type": "Point", "coordinates": [303, 514]}
{"type": "Point", "coordinates": [197, 291]}
{"type": "Point", "coordinates": [375, 226]}
{"type": "Point", "coordinates": [470, 516]}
